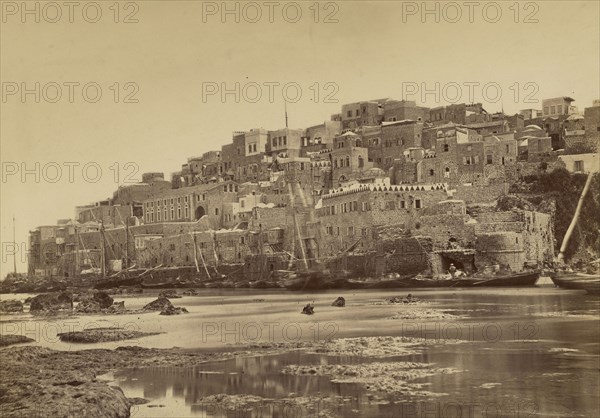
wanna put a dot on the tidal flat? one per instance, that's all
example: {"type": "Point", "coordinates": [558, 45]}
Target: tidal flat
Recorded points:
{"type": "Point", "coordinates": [501, 352]}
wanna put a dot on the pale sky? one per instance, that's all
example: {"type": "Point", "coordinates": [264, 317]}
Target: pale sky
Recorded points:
{"type": "Point", "coordinates": [374, 50]}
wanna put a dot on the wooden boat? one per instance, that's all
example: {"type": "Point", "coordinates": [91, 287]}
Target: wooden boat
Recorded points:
{"type": "Point", "coordinates": [524, 278]}
{"type": "Point", "coordinates": [567, 280]}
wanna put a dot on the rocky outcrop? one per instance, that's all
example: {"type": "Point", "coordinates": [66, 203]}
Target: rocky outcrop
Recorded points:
{"type": "Point", "coordinates": [340, 302]}
{"type": "Point", "coordinates": [159, 304]}
{"type": "Point", "coordinates": [10, 339]}
{"type": "Point", "coordinates": [11, 306]}
{"type": "Point", "coordinates": [117, 307]}
{"type": "Point", "coordinates": [408, 299]}
{"type": "Point", "coordinates": [93, 302]}
{"type": "Point", "coordinates": [172, 310]}
{"type": "Point", "coordinates": [98, 335]}
{"type": "Point", "coordinates": [51, 302]}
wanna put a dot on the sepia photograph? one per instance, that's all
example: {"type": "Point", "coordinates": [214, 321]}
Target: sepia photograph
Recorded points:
{"type": "Point", "coordinates": [300, 209]}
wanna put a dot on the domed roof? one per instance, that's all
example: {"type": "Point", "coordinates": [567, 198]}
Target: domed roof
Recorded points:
{"type": "Point", "coordinates": [533, 127]}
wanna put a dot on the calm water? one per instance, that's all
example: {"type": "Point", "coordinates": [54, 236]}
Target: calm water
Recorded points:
{"type": "Point", "coordinates": [521, 352]}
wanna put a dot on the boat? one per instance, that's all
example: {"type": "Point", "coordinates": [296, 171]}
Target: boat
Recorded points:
{"type": "Point", "coordinates": [574, 280]}
{"type": "Point", "coordinates": [518, 279]}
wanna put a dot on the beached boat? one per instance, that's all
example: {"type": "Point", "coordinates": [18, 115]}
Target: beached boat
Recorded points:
{"type": "Point", "coordinates": [523, 278]}
{"type": "Point", "coordinates": [575, 280]}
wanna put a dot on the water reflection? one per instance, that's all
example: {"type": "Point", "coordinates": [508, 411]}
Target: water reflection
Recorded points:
{"type": "Point", "coordinates": [501, 381]}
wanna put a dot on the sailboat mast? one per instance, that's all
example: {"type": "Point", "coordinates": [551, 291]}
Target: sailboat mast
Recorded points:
{"type": "Point", "coordinates": [15, 247]}
{"type": "Point", "coordinates": [127, 242]}
{"type": "Point", "coordinates": [103, 250]}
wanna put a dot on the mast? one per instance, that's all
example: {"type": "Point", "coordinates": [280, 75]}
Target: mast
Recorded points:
{"type": "Point", "coordinates": [195, 253]}
{"type": "Point", "coordinates": [76, 251]}
{"type": "Point", "coordinates": [103, 250]}
{"type": "Point", "coordinates": [567, 237]}
{"type": "Point", "coordinates": [127, 242]}
{"type": "Point", "coordinates": [15, 247]}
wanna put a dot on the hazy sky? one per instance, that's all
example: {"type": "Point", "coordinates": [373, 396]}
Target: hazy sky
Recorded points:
{"type": "Point", "coordinates": [177, 49]}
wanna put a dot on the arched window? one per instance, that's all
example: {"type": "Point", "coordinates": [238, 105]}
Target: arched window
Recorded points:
{"type": "Point", "coordinates": [347, 161]}
{"type": "Point", "coordinates": [361, 162]}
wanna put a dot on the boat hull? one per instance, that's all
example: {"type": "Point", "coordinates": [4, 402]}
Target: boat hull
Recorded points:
{"type": "Point", "coordinates": [574, 280]}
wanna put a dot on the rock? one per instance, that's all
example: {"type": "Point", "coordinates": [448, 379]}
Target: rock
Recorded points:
{"type": "Point", "coordinates": [340, 302]}
{"type": "Point", "coordinates": [159, 304]}
{"type": "Point", "coordinates": [191, 292]}
{"type": "Point", "coordinates": [103, 299]}
{"type": "Point", "coordinates": [11, 306]}
{"type": "Point", "coordinates": [96, 335]}
{"type": "Point", "coordinates": [88, 306]}
{"type": "Point", "coordinates": [169, 294]}
{"type": "Point", "coordinates": [51, 302]}
{"type": "Point", "coordinates": [117, 307]}
{"type": "Point", "coordinates": [10, 339]}
{"type": "Point", "coordinates": [172, 310]}
{"type": "Point", "coordinates": [28, 300]}
{"type": "Point", "coordinates": [308, 309]}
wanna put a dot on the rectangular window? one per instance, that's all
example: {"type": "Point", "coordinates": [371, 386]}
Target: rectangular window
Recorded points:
{"type": "Point", "coordinates": [402, 204]}
{"type": "Point", "coordinates": [578, 166]}
{"type": "Point", "coordinates": [349, 113]}
{"type": "Point", "coordinates": [507, 148]}
{"type": "Point", "coordinates": [418, 203]}
{"type": "Point", "coordinates": [216, 211]}
{"type": "Point", "coordinates": [350, 231]}
{"type": "Point", "coordinates": [468, 160]}
{"type": "Point", "coordinates": [364, 232]}
{"type": "Point", "coordinates": [490, 159]}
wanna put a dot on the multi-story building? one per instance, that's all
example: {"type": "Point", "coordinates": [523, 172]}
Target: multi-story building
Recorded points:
{"type": "Point", "coordinates": [558, 106]}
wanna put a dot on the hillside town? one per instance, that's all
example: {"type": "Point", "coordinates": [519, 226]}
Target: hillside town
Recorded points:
{"type": "Point", "coordinates": [385, 186]}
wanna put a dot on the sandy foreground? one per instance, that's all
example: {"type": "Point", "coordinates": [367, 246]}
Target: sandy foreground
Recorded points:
{"type": "Point", "coordinates": [51, 378]}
